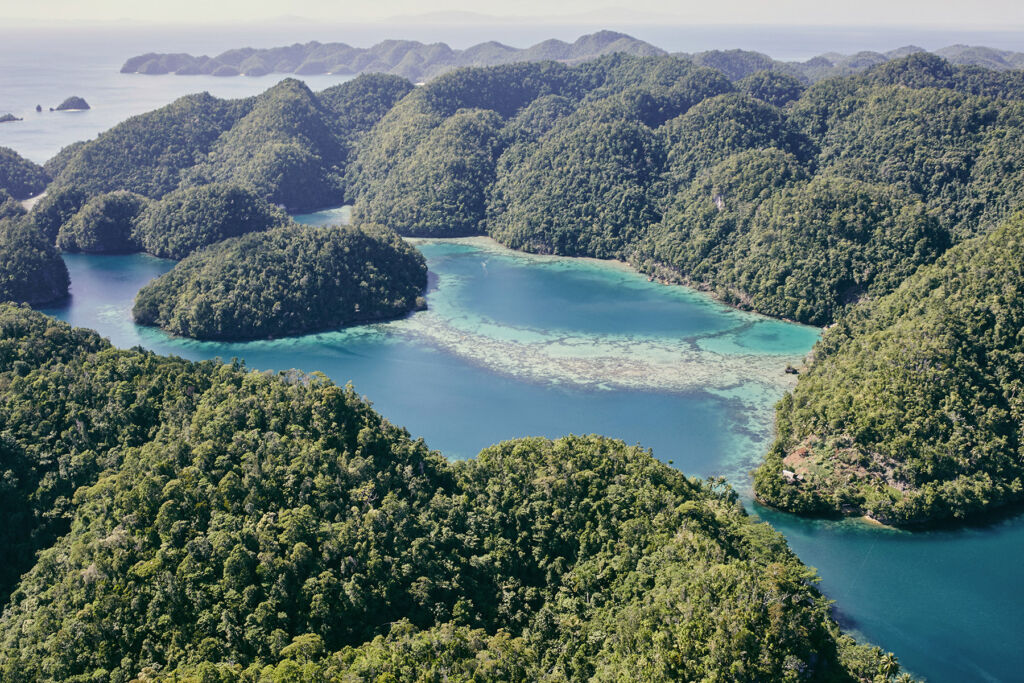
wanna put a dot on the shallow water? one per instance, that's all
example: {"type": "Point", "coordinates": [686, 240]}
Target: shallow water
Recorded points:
{"type": "Point", "coordinates": [514, 345]}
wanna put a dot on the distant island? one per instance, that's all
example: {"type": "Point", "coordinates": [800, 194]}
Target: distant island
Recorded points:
{"type": "Point", "coordinates": [9, 117]}
{"type": "Point", "coordinates": [407, 58]}
{"type": "Point", "coordinates": [73, 103]}
{"type": "Point", "coordinates": [421, 62]}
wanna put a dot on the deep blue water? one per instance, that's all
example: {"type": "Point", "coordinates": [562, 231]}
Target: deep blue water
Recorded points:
{"type": "Point", "coordinates": [948, 603]}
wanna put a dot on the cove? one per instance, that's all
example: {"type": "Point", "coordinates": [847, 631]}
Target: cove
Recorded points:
{"type": "Point", "coordinates": [515, 345]}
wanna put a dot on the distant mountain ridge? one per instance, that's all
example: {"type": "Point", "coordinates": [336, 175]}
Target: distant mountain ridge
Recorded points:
{"type": "Point", "coordinates": [420, 62]}
{"type": "Point", "coordinates": [407, 58]}
{"type": "Point", "coordinates": [738, 64]}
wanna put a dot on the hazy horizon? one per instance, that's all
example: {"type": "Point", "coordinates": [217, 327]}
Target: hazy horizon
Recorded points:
{"type": "Point", "coordinates": [985, 14]}
{"type": "Point", "coordinates": [119, 40]}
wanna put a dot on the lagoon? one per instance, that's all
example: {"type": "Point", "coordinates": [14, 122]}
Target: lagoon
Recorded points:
{"type": "Point", "coordinates": [514, 345]}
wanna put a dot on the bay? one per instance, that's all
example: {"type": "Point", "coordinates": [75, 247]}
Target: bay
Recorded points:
{"type": "Point", "coordinates": [514, 345]}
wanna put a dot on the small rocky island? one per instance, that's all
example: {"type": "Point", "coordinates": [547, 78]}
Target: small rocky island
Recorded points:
{"type": "Point", "coordinates": [286, 281]}
{"type": "Point", "coordinates": [4, 118]}
{"type": "Point", "coordinates": [73, 103]}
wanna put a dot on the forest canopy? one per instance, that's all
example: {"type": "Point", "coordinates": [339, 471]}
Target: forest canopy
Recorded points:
{"type": "Point", "coordinates": [218, 523]}
{"type": "Point", "coordinates": [911, 411]}
{"type": "Point", "coordinates": [774, 189]}
{"type": "Point", "coordinates": [106, 224]}
{"type": "Point", "coordinates": [32, 270]}
{"type": "Point", "coordinates": [191, 218]}
{"type": "Point", "coordinates": [618, 157]}
{"type": "Point", "coordinates": [287, 281]}
{"type": "Point", "coordinates": [19, 177]}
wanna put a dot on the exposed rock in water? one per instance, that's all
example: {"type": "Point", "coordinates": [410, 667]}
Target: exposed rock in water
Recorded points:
{"type": "Point", "coordinates": [73, 103]}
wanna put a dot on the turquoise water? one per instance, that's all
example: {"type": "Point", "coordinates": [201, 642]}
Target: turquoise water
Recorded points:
{"type": "Point", "coordinates": [514, 345]}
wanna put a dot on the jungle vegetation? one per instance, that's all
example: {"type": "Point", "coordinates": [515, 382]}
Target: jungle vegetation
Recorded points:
{"type": "Point", "coordinates": [171, 520]}
{"type": "Point", "coordinates": [911, 411]}
{"type": "Point", "coordinates": [801, 201]}
{"type": "Point", "coordinates": [19, 177]}
{"type": "Point", "coordinates": [287, 281]}
{"type": "Point", "coordinates": [32, 270]}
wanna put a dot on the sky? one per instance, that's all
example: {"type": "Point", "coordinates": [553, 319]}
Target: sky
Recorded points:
{"type": "Point", "coordinates": [993, 14]}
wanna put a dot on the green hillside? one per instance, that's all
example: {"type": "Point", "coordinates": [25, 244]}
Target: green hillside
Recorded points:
{"type": "Point", "coordinates": [287, 281]}
{"type": "Point", "coordinates": [232, 525]}
{"type": "Point", "coordinates": [911, 411]}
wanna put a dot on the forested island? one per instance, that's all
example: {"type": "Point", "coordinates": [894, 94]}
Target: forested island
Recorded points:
{"type": "Point", "coordinates": [804, 202]}
{"type": "Point", "coordinates": [32, 270]}
{"type": "Point", "coordinates": [406, 58]}
{"type": "Point", "coordinates": [287, 281]}
{"type": "Point", "coordinates": [912, 409]}
{"type": "Point", "coordinates": [287, 145]}
{"type": "Point", "coordinates": [19, 177]}
{"type": "Point", "coordinates": [420, 62]}
{"type": "Point", "coordinates": [73, 103]}
{"type": "Point", "coordinates": [216, 523]}
{"type": "Point", "coordinates": [170, 520]}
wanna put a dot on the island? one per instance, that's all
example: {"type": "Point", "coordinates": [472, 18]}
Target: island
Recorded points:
{"type": "Point", "coordinates": [420, 62]}
{"type": "Point", "coordinates": [32, 271]}
{"type": "Point", "coordinates": [73, 103]}
{"type": "Point", "coordinates": [105, 225]}
{"type": "Point", "coordinates": [286, 281]}
{"type": "Point", "coordinates": [194, 217]}
{"type": "Point", "coordinates": [800, 199]}
{"type": "Point", "coordinates": [911, 412]}
{"type": "Point", "coordinates": [407, 58]}
{"type": "Point", "coordinates": [20, 177]}
{"type": "Point", "coordinates": [288, 145]}
{"type": "Point", "coordinates": [350, 550]}
{"type": "Point", "coordinates": [7, 118]}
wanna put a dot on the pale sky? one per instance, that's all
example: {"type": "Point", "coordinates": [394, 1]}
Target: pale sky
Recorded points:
{"type": "Point", "coordinates": [993, 14]}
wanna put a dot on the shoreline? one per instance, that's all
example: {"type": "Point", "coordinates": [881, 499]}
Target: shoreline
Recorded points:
{"type": "Point", "coordinates": [489, 243]}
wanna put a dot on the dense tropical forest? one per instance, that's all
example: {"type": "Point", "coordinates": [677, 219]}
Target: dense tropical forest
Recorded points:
{"type": "Point", "coordinates": [32, 270]}
{"type": "Point", "coordinates": [200, 521]}
{"type": "Point", "coordinates": [801, 201]}
{"type": "Point", "coordinates": [194, 217]}
{"type": "Point", "coordinates": [912, 410]}
{"type": "Point", "coordinates": [181, 521]}
{"type": "Point", "coordinates": [19, 177]}
{"type": "Point", "coordinates": [287, 281]}
{"type": "Point", "coordinates": [789, 200]}
{"type": "Point", "coordinates": [288, 145]}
